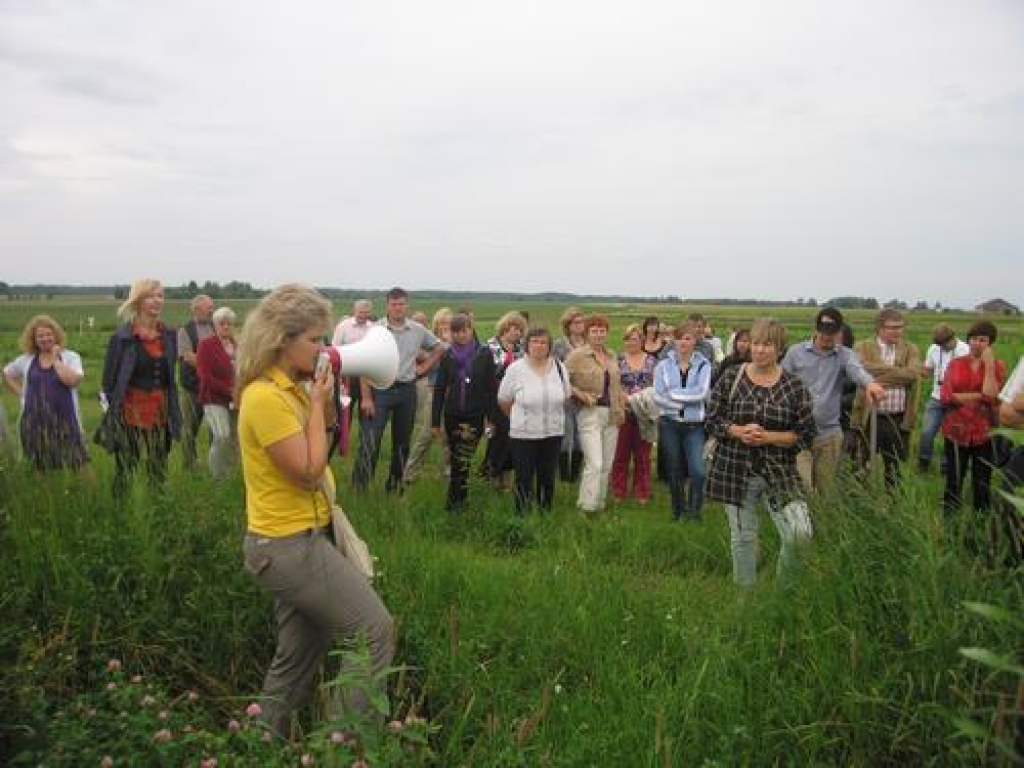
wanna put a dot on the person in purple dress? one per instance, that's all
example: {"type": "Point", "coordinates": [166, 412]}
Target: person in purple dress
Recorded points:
{"type": "Point", "coordinates": [45, 378]}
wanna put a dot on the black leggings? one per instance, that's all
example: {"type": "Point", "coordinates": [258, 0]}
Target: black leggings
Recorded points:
{"type": "Point", "coordinates": [958, 459]}
{"type": "Point", "coordinates": [463, 437]}
{"type": "Point", "coordinates": [536, 464]}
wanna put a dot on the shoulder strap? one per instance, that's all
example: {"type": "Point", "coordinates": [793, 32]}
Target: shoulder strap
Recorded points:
{"type": "Point", "coordinates": [736, 383]}
{"type": "Point", "coordinates": [193, 333]}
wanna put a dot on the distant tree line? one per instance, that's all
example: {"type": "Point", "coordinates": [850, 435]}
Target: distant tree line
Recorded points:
{"type": "Point", "coordinates": [233, 290]}
{"type": "Point", "coordinates": [242, 290]}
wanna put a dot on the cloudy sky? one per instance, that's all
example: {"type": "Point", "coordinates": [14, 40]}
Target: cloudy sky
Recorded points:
{"type": "Point", "coordinates": [739, 148]}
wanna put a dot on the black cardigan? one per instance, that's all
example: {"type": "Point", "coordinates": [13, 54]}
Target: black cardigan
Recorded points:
{"type": "Point", "coordinates": [481, 391]}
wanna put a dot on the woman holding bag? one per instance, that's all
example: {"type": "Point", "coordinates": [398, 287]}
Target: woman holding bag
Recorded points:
{"type": "Point", "coordinates": [320, 597]}
{"type": "Point", "coordinates": [761, 421]}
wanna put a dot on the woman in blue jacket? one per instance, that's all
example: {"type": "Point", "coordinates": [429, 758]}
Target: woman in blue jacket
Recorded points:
{"type": "Point", "coordinates": [682, 381]}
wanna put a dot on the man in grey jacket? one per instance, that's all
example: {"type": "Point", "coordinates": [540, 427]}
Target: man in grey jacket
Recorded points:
{"type": "Point", "coordinates": [824, 366]}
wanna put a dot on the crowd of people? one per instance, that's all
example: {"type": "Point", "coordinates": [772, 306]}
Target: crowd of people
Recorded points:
{"type": "Point", "coordinates": [748, 419]}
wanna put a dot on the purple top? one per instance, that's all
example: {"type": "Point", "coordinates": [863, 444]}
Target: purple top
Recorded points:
{"type": "Point", "coordinates": [50, 433]}
{"type": "Point", "coordinates": [633, 381]}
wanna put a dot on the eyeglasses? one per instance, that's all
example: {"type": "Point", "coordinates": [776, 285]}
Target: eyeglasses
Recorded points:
{"type": "Point", "coordinates": [893, 327]}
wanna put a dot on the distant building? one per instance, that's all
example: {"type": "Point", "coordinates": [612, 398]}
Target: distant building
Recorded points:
{"type": "Point", "coordinates": [998, 307]}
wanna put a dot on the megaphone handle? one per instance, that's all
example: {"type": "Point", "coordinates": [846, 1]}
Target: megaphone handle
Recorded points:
{"type": "Point", "coordinates": [335, 440]}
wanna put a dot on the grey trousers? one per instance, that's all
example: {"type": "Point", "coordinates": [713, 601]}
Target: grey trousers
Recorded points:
{"type": "Point", "coordinates": [223, 424]}
{"type": "Point", "coordinates": [319, 598]}
{"type": "Point", "coordinates": [792, 522]}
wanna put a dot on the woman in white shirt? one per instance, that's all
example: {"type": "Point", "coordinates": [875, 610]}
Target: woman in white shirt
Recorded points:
{"type": "Point", "coordinates": [533, 393]}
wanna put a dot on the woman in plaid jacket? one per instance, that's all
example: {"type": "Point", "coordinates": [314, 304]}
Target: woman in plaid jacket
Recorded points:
{"type": "Point", "coordinates": [760, 424]}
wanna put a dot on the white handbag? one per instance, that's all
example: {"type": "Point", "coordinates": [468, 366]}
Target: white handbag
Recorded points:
{"type": "Point", "coordinates": [349, 543]}
{"type": "Point", "coordinates": [798, 518]}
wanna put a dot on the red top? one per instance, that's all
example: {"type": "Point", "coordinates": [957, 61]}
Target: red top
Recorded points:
{"type": "Point", "coordinates": [216, 373]}
{"type": "Point", "coordinates": [144, 408]}
{"type": "Point", "coordinates": [970, 423]}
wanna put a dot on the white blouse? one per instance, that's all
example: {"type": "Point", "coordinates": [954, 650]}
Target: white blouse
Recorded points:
{"type": "Point", "coordinates": [538, 399]}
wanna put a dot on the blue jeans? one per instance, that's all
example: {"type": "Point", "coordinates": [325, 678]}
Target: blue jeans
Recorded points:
{"type": "Point", "coordinates": [934, 411]}
{"type": "Point", "coordinates": [397, 402]}
{"type": "Point", "coordinates": [680, 443]}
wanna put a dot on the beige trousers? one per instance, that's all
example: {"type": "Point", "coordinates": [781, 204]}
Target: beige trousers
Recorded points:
{"type": "Point", "coordinates": [598, 435]}
{"type": "Point", "coordinates": [320, 598]}
{"type": "Point", "coordinates": [818, 466]}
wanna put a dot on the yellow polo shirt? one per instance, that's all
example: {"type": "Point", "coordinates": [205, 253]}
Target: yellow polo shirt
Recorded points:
{"type": "Point", "coordinates": [272, 409]}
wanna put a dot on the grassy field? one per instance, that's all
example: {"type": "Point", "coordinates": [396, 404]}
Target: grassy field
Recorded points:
{"type": "Point", "coordinates": [555, 641]}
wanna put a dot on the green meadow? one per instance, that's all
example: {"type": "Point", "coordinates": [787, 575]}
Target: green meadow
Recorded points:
{"type": "Point", "coordinates": [559, 640]}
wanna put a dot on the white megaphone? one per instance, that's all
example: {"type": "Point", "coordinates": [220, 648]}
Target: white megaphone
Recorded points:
{"type": "Point", "coordinates": [374, 357]}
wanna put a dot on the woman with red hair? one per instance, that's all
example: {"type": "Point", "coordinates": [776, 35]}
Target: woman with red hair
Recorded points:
{"type": "Point", "coordinates": [597, 389]}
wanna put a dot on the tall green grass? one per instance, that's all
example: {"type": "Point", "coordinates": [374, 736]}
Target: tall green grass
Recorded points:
{"type": "Point", "coordinates": [557, 640]}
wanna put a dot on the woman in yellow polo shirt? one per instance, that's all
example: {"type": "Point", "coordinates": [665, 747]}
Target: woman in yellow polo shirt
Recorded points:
{"type": "Point", "coordinates": [320, 597]}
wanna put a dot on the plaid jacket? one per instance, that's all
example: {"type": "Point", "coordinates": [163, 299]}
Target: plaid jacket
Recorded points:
{"type": "Point", "coordinates": [784, 407]}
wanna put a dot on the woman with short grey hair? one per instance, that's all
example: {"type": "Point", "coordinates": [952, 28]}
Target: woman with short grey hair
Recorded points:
{"type": "Point", "coordinates": [215, 366]}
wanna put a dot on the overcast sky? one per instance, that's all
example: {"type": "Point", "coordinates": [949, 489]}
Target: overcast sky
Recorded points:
{"type": "Point", "coordinates": [740, 148]}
